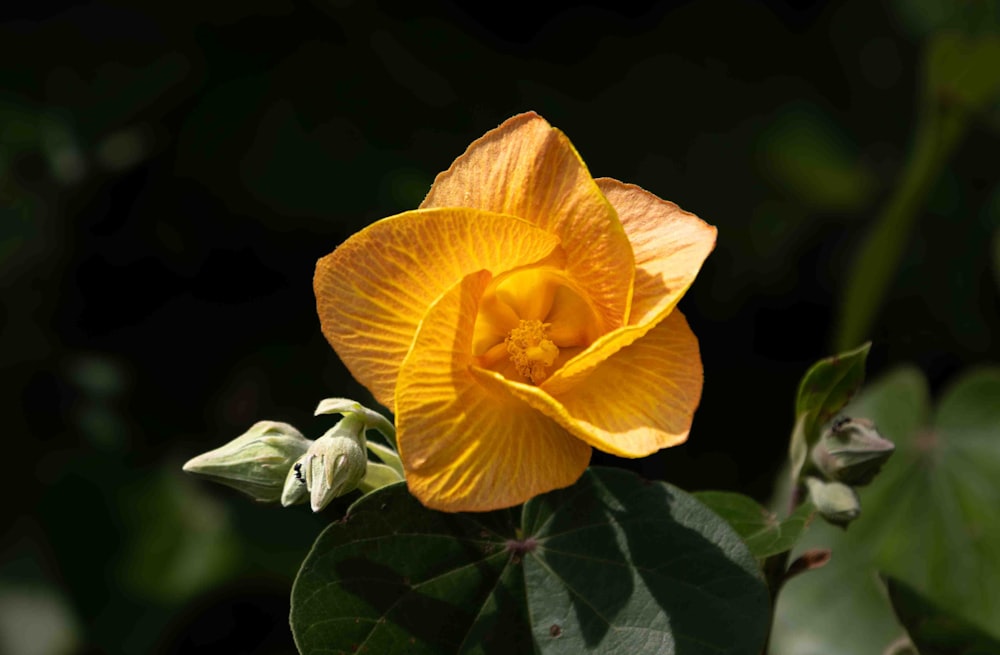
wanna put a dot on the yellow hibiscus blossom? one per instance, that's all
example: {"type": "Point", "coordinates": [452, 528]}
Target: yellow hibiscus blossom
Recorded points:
{"type": "Point", "coordinates": [522, 315]}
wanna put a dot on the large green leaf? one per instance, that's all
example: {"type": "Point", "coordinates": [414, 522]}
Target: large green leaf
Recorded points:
{"type": "Point", "coordinates": [824, 390]}
{"type": "Point", "coordinates": [933, 630]}
{"type": "Point", "coordinates": [612, 564]}
{"type": "Point", "coordinates": [928, 519]}
{"type": "Point", "coordinates": [764, 533]}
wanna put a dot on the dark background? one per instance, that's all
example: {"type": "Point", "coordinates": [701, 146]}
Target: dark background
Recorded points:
{"type": "Point", "coordinates": [169, 176]}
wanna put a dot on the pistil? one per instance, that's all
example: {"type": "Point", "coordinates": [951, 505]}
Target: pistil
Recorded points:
{"type": "Point", "coordinates": [531, 351]}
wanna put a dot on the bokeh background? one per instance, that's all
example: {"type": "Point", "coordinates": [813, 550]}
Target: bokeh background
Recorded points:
{"type": "Point", "coordinates": [169, 174]}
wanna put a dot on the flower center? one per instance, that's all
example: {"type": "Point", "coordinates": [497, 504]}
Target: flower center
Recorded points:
{"type": "Point", "coordinates": [531, 321]}
{"type": "Point", "coordinates": [531, 351]}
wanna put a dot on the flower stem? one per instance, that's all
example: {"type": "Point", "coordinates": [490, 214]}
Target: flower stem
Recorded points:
{"type": "Point", "coordinates": [938, 134]}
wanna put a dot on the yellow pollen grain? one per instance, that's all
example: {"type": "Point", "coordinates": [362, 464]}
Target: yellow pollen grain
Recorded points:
{"type": "Point", "coordinates": [531, 351]}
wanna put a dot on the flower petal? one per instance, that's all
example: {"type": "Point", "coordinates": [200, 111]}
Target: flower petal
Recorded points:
{"type": "Point", "coordinates": [373, 290]}
{"type": "Point", "coordinates": [529, 169]}
{"type": "Point", "coordinates": [639, 401]}
{"type": "Point", "coordinates": [670, 245]}
{"type": "Point", "coordinates": [467, 444]}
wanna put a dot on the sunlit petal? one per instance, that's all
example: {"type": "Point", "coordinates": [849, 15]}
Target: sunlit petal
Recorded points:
{"type": "Point", "coordinates": [670, 246]}
{"type": "Point", "coordinates": [638, 401]}
{"type": "Point", "coordinates": [529, 169]}
{"type": "Point", "coordinates": [466, 443]}
{"type": "Point", "coordinates": [374, 289]}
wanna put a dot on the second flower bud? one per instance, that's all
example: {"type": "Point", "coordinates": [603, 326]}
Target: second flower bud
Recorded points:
{"type": "Point", "coordinates": [333, 466]}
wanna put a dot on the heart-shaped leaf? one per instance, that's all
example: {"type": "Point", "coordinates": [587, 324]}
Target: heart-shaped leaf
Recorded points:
{"type": "Point", "coordinates": [764, 533]}
{"type": "Point", "coordinates": [933, 630]}
{"type": "Point", "coordinates": [612, 564]}
{"type": "Point", "coordinates": [928, 519]}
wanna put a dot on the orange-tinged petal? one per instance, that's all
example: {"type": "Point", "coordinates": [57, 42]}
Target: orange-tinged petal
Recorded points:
{"type": "Point", "coordinates": [670, 245]}
{"type": "Point", "coordinates": [529, 169]}
{"type": "Point", "coordinates": [373, 290]}
{"type": "Point", "coordinates": [467, 444]}
{"type": "Point", "coordinates": [638, 401]}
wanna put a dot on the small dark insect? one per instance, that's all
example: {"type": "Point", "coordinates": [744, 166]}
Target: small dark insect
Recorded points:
{"type": "Point", "coordinates": [298, 473]}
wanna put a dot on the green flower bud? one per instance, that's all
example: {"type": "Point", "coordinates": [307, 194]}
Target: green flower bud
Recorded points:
{"type": "Point", "coordinates": [256, 463]}
{"type": "Point", "coordinates": [295, 491]}
{"type": "Point", "coordinates": [336, 463]}
{"type": "Point", "coordinates": [372, 420]}
{"type": "Point", "coordinates": [851, 451]}
{"type": "Point", "coordinates": [835, 501]}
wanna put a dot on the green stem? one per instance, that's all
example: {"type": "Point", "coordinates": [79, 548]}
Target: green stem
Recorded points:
{"type": "Point", "coordinates": [385, 427]}
{"type": "Point", "coordinates": [879, 257]}
{"type": "Point", "coordinates": [774, 567]}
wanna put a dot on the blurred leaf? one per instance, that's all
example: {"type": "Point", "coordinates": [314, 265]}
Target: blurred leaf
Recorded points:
{"type": "Point", "coordinates": [922, 17]}
{"type": "Point", "coordinates": [36, 620]}
{"type": "Point", "coordinates": [100, 379]}
{"type": "Point", "coordinates": [180, 540]}
{"type": "Point", "coordinates": [98, 376]}
{"type": "Point", "coordinates": [613, 564]}
{"type": "Point", "coordinates": [963, 69]}
{"type": "Point", "coordinates": [125, 148]}
{"type": "Point", "coordinates": [960, 82]}
{"type": "Point", "coordinates": [808, 155]}
{"type": "Point", "coordinates": [18, 125]}
{"type": "Point", "coordinates": [824, 390]}
{"type": "Point", "coordinates": [762, 531]}
{"type": "Point", "coordinates": [928, 519]}
{"type": "Point", "coordinates": [933, 630]}
{"type": "Point", "coordinates": [27, 128]}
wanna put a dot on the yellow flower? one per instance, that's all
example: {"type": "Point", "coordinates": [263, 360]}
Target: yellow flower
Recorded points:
{"type": "Point", "coordinates": [523, 314]}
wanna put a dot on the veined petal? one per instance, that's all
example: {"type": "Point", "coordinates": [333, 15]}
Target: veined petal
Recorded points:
{"type": "Point", "coordinates": [467, 444]}
{"type": "Point", "coordinates": [640, 400]}
{"type": "Point", "coordinates": [670, 245]}
{"type": "Point", "coordinates": [373, 290]}
{"type": "Point", "coordinates": [529, 169]}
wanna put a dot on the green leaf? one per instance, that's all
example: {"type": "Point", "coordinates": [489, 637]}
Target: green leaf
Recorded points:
{"type": "Point", "coordinates": [613, 564]}
{"type": "Point", "coordinates": [179, 541]}
{"type": "Point", "coordinates": [928, 519]}
{"type": "Point", "coordinates": [960, 84]}
{"type": "Point", "coordinates": [762, 531]}
{"type": "Point", "coordinates": [933, 630]}
{"type": "Point", "coordinates": [813, 159]}
{"type": "Point", "coordinates": [824, 390]}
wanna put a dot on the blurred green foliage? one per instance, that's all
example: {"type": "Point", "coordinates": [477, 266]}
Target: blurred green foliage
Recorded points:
{"type": "Point", "coordinates": [928, 520]}
{"type": "Point", "coordinates": [933, 630]}
{"type": "Point", "coordinates": [168, 179]}
{"type": "Point", "coordinates": [960, 83]}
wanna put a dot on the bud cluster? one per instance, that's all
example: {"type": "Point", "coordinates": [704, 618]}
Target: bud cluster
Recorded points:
{"type": "Point", "coordinates": [272, 461]}
{"type": "Point", "coordinates": [851, 451]}
{"type": "Point", "coordinates": [849, 454]}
